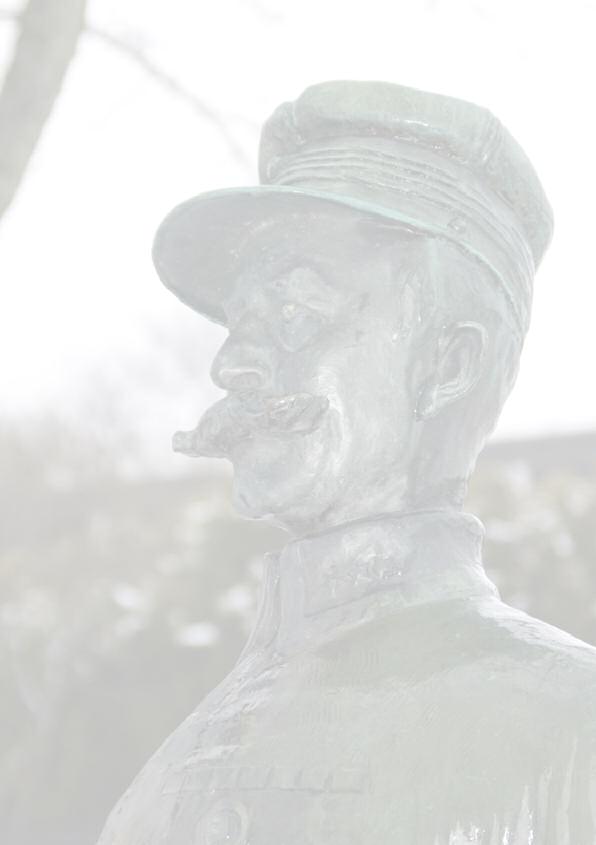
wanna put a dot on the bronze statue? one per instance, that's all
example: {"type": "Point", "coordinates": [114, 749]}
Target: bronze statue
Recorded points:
{"type": "Point", "coordinates": [377, 290]}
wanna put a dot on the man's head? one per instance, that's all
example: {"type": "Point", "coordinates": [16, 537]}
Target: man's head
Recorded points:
{"type": "Point", "coordinates": [376, 287]}
{"type": "Point", "coordinates": [360, 369]}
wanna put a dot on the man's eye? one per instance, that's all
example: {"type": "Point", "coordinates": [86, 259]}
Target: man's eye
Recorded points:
{"type": "Point", "coordinates": [298, 325]}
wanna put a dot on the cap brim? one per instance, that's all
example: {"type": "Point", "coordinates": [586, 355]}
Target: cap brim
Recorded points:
{"type": "Point", "coordinates": [196, 251]}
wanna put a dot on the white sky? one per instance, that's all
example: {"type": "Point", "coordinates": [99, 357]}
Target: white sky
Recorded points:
{"type": "Point", "coordinates": [81, 310]}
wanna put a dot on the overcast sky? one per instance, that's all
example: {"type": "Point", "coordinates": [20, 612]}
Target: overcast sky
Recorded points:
{"type": "Point", "coordinates": [81, 310]}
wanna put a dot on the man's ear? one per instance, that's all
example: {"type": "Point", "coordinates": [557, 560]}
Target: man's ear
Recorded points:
{"type": "Point", "coordinates": [459, 360]}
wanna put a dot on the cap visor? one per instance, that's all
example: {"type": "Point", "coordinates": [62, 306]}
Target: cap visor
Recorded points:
{"type": "Point", "coordinates": [197, 248]}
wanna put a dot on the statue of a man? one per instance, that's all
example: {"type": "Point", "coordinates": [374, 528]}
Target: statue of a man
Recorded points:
{"type": "Point", "coordinates": [376, 288]}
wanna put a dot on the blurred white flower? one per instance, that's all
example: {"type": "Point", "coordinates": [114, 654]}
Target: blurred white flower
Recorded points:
{"type": "Point", "coordinates": [197, 635]}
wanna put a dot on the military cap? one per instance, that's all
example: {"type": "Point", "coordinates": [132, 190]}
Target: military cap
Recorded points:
{"type": "Point", "coordinates": [426, 162]}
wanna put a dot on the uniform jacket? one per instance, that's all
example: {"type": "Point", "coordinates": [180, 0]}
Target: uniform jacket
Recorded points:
{"type": "Point", "coordinates": [387, 695]}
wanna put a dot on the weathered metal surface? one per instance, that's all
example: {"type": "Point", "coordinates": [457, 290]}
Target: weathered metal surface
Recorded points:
{"type": "Point", "coordinates": [376, 290]}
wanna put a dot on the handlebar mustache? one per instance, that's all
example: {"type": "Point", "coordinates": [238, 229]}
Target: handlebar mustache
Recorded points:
{"type": "Point", "coordinates": [239, 417]}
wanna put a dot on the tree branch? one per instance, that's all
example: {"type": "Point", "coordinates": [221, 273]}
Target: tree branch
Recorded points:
{"type": "Point", "coordinates": [49, 31]}
{"type": "Point", "coordinates": [157, 73]}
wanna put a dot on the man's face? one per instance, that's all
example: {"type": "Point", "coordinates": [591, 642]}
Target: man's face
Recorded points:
{"type": "Point", "coordinates": [318, 420]}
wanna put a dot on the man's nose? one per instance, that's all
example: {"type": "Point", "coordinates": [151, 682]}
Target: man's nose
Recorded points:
{"type": "Point", "coordinates": [240, 365]}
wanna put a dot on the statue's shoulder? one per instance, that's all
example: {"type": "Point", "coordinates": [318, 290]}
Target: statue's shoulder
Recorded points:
{"type": "Point", "coordinates": [482, 655]}
{"type": "Point", "coordinates": [476, 687]}
{"type": "Point", "coordinates": [553, 671]}
{"type": "Point", "coordinates": [538, 656]}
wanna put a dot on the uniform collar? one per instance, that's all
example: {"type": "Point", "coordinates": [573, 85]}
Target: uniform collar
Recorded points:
{"type": "Point", "coordinates": [319, 585]}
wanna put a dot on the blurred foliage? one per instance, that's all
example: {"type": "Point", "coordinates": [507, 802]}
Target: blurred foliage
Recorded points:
{"type": "Point", "coordinates": [125, 600]}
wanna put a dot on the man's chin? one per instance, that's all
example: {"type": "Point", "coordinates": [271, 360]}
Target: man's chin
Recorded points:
{"type": "Point", "coordinates": [277, 478]}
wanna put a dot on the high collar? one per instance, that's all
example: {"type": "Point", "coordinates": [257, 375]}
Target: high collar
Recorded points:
{"type": "Point", "coordinates": [322, 584]}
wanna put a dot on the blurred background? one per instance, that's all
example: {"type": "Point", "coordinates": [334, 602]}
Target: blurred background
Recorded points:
{"type": "Point", "coordinates": [128, 586]}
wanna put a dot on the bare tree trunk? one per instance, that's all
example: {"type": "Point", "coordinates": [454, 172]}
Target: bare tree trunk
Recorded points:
{"type": "Point", "coordinates": [44, 49]}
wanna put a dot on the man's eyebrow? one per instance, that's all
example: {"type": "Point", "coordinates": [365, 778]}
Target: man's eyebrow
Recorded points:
{"type": "Point", "coordinates": [300, 280]}
{"type": "Point", "coordinates": [307, 281]}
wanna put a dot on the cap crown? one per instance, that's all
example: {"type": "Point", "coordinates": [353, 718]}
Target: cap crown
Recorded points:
{"type": "Point", "coordinates": [458, 130]}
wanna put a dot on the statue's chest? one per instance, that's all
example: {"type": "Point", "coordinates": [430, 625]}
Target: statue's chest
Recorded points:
{"type": "Point", "coordinates": [271, 763]}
